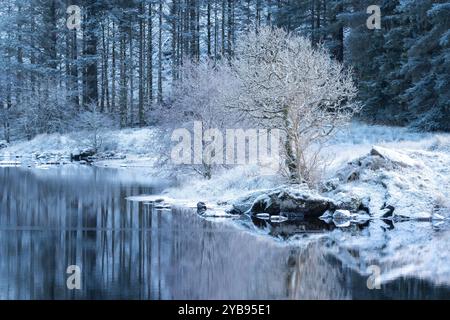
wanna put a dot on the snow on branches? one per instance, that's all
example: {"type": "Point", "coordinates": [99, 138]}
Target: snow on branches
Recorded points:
{"type": "Point", "coordinates": [288, 84]}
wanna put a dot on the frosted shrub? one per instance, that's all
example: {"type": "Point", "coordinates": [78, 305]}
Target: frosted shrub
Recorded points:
{"type": "Point", "coordinates": [94, 125]}
{"type": "Point", "coordinates": [198, 97]}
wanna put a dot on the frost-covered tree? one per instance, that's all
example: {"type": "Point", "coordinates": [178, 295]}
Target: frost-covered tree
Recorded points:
{"type": "Point", "coordinates": [289, 85]}
{"type": "Point", "coordinates": [93, 124]}
{"type": "Point", "coordinates": [426, 67]}
{"type": "Point", "coordinates": [406, 81]}
{"type": "Point", "coordinates": [375, 56]}
{"type": "Point", "coordinates": [199, 96]}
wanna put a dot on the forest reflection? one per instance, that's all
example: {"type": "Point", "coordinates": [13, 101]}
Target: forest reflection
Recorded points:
{"type": "Point", "coordinates": [128, 250]}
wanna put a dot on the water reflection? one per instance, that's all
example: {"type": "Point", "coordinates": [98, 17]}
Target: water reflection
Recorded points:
{"type": "Point", "coordinates": [292, 227]}
{"type": "Point", "coordinates": [127, 250]}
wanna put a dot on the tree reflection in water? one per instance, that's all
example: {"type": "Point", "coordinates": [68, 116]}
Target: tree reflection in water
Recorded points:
{"type": "Point", "coordinates": [128, 250]}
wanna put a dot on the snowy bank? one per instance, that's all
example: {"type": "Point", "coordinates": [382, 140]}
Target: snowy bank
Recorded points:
{"type": "Point", "coordinates": [400, 184]}
{"type": "Point", "coordinates": [383, 184]}
{"type": "Point", "coordinates": [118, 148]}
{"type": "Point", "coordinates": [404, 176]}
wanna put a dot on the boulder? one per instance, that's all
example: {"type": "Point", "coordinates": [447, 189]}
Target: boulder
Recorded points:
{"type": "Point", "coordinates": [3, 144]}
{"type": "Point", "coordinates": [299, 202]}
{"type": "Point", "coordinates": [349, 201]}
{"type": "Point", "coordinates": [379, 158]}
{"type": "Point", "coordinates": [387, 211]}
{"type": "Point", "coordinates": [201, 207]}
{"type": "Point", "coordinates": [244, 203]}
{"type": "Point", "coordinates": [342, 215]}
{"type": "Point", "coordinates": [391, 184]}
{"type": "Point", "coordinates": [83, 155]}
{"type": "Point", "coordinates": [397, 158]}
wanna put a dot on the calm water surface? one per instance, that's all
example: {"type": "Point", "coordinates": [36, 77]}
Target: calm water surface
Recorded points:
{"type": "Point", "coordinates": [50, 219]}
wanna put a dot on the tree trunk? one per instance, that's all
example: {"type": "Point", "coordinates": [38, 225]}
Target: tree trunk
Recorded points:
{"type": "Point", "coordinates": [123, 80]}
{"type": "Point", "coordinates": [90, 53]}
{"type": "Point", "coordinates": [160, 11]}
{"type": "Point", "coordinates": [223, 27]}
{"type": "Point", "coordinates": [208, 28]}
{"type": "Point", "coordinates": [102, 74]}
{"type": "Point", "coordinates": [131, 75]}
{"type": "Point", "coordinates": [230, 28]}
{"type": "Point", "coordinates": [150, 57]}
{"type": "Point", "coordinates": [113, 71]}
{"type": "Point", "coordinates": [141, 66]}
{"type": "Point", "coordinates": [216, 30]}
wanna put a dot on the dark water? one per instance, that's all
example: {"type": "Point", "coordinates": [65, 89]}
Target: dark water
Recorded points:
{"type": "Point", "coordinates": [50, 219]}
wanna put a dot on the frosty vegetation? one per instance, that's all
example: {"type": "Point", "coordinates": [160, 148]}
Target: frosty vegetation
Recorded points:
{"type": "Point", "coordinates": [200, 96]}
{"type": "Point", "coordinates": [275, 81]}
{"type": "Point", "coordinates": [289, 85]}
{"type": "Point", "coordinates": [126, 55]}
{"type": "Point", "coordinates": [93, 125]}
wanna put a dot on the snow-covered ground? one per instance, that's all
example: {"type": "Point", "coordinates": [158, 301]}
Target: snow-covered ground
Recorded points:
{"type": "Point", "coordinates": [125, 148]}
{"type": "Point", "coordinates": [357, 139]}
{"type": "Point", "coordinates": [424, 175]}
